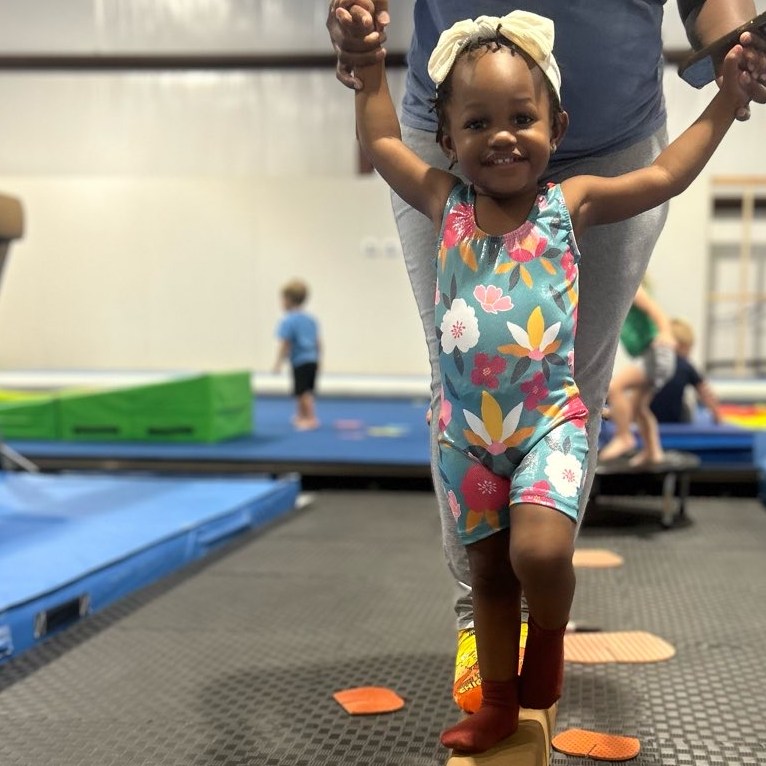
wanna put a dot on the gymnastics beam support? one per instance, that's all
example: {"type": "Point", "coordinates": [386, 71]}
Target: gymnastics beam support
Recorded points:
{"type": "Point", "coordinates": [529, 746]}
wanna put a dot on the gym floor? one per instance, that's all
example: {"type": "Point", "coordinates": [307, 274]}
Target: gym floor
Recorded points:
{"type": "Point", "coordinates": [234, 661]}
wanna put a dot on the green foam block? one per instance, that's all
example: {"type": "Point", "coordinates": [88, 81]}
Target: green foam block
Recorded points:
{"type": "Point", "coordinates": [200, 408]}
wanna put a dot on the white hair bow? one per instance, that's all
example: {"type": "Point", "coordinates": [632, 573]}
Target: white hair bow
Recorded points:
{"type": "Point", "coordinates": [531, 32]}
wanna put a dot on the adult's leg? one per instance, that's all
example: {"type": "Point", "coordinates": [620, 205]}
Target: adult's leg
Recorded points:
{"type": "Point", "coordinates": [614, 259]}
{"type": "Point", "coordinates": [418, 240]}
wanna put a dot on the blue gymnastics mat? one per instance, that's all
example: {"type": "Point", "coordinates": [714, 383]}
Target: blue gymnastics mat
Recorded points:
{"type": "Point", "coordinates": [353, 431]}
{"type": "Point", "coordinates": [72, 544]}
{"type": "Point", "coordinates": [383, 435]}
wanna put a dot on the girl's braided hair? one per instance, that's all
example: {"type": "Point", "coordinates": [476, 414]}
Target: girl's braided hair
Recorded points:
{"type": "Point", "coordinates": [444, 90]}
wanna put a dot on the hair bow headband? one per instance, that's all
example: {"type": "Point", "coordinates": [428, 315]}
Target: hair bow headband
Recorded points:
{"type": "Point", "coordinates": [530, 32]}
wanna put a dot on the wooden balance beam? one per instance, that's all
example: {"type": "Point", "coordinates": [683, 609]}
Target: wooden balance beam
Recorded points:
{"type": "Point", "coordinates": [529, 746]}
{"type": "Point", "coordinates": [674, 472]}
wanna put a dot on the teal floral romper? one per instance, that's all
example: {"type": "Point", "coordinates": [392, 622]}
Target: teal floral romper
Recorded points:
{"type": "Point", "coordinates": [512, 424]}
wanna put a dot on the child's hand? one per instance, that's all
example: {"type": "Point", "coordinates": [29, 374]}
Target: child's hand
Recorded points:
{"type": "Point", "coordinates": [751, 60]}
{"type": "Point", "coordinates": [735, 83]}
{"type": "Point", "coordinates": [753, 64]}
{"type": "Point", "coordinates": [357, 31]}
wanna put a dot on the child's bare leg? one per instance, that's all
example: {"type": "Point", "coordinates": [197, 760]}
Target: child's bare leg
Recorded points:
{"type": "Point", "coordinates": [306, 411]}
{"type": "Point", "coordinates": [542, 545]}
{"type": "Point", "coordinates": [497, 621]}
{"type": "Point", "coordinates": [652, 451]}
{"type": "Point", "coordinates": [622, 411]}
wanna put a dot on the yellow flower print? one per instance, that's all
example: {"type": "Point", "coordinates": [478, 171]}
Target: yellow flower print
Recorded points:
{"type": "Point", "coordinates": [537, 341]}
{"type": "Point", "coordinates": [494, 431]}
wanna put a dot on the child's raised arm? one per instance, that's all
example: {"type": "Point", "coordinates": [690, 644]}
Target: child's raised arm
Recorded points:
{"type": "Point", "coordinates": [420, 185]}
{"type": "Point", "coordinates": [595, 200]}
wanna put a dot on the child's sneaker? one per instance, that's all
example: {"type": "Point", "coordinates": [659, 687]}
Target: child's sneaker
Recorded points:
{"type": "Point", "coordinates": [466, 690]}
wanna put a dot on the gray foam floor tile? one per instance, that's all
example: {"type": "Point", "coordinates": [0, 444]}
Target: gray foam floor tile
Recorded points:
{"type": "Point", "coordinates": [234, 661]}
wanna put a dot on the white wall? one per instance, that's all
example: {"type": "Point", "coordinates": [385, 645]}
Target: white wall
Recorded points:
{"type": "Point", "coordinates": [184, 274]}
{"type": "Point", "coordinates": [165, 210]}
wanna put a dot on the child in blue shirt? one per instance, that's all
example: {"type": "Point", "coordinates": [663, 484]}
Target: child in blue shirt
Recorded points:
{"type": "Point", "coordinates": [298, 333]}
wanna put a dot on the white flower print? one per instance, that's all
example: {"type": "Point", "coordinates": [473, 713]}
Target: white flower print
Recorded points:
{"type": "Point", "coordinates": [459, 327]}
{"type": "Point", "coordinates": [564, 472]}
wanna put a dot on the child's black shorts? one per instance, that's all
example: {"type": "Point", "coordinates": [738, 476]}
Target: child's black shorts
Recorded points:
{"type": "Point", "coordinates": [304, 378]}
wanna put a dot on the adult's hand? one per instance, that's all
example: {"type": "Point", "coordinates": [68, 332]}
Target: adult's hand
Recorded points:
{"type": "Point", "coordinates": [357, 30]}
{"type": "Point", "coordinates": [752, 64]}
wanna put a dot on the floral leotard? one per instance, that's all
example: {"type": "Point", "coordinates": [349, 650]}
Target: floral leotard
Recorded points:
{"type": "Point", "coordinates": [512, 424]}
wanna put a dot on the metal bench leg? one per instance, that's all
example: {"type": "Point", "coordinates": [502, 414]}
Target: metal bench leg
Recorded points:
{"type": "Point", "coordinates": [668, 499]}
{"type": "Point", "coordinates": [683, 495]}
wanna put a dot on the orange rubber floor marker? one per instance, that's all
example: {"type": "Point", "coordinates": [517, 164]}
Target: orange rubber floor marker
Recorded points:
{"type": "Point", "coordinates": [368, 700]}
{"type": "Point", "coordinates": [596, 558]}
{"type": "Point", "coordinates": [621, 646]}
{"type": "Point", "coordinates": [597, 745]}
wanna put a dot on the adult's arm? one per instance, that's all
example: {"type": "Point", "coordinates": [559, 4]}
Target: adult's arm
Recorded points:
{"type": "Point", "coordinates": [707, 20]}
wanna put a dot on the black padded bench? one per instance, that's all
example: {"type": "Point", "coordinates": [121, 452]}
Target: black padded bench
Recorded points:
{"type": "Point", "coordinates": [674, 473]}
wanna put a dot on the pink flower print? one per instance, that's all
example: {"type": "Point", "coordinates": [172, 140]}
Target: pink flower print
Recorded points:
{"type": "Point", "coordinates": [492, 299]}
{"type": "Point", "coordinates": [570, 360]}
{"type": "Point", "coordinates": [569, 266]}
{"type": "Point", "coordinates": [459, 225]}
{"type": "Point", "coordinates": [454, 506]}
{"type": "Point", "coordinates": [486, 369]}
{"type": "Point", "coordinates": [438, 296]}
{"type": "Point", "coordinates": [524, 244]}
{"type": "Point", "coordinates": [445, 412]}
{"type": "Point", "coordinates": [483, 490]}
{"type": "Point", "coordinates": [538, 493]}
{"type": "Point", "coordinates": [535, 391]}
{"type": "Point", "coordinates": [575, 412]}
